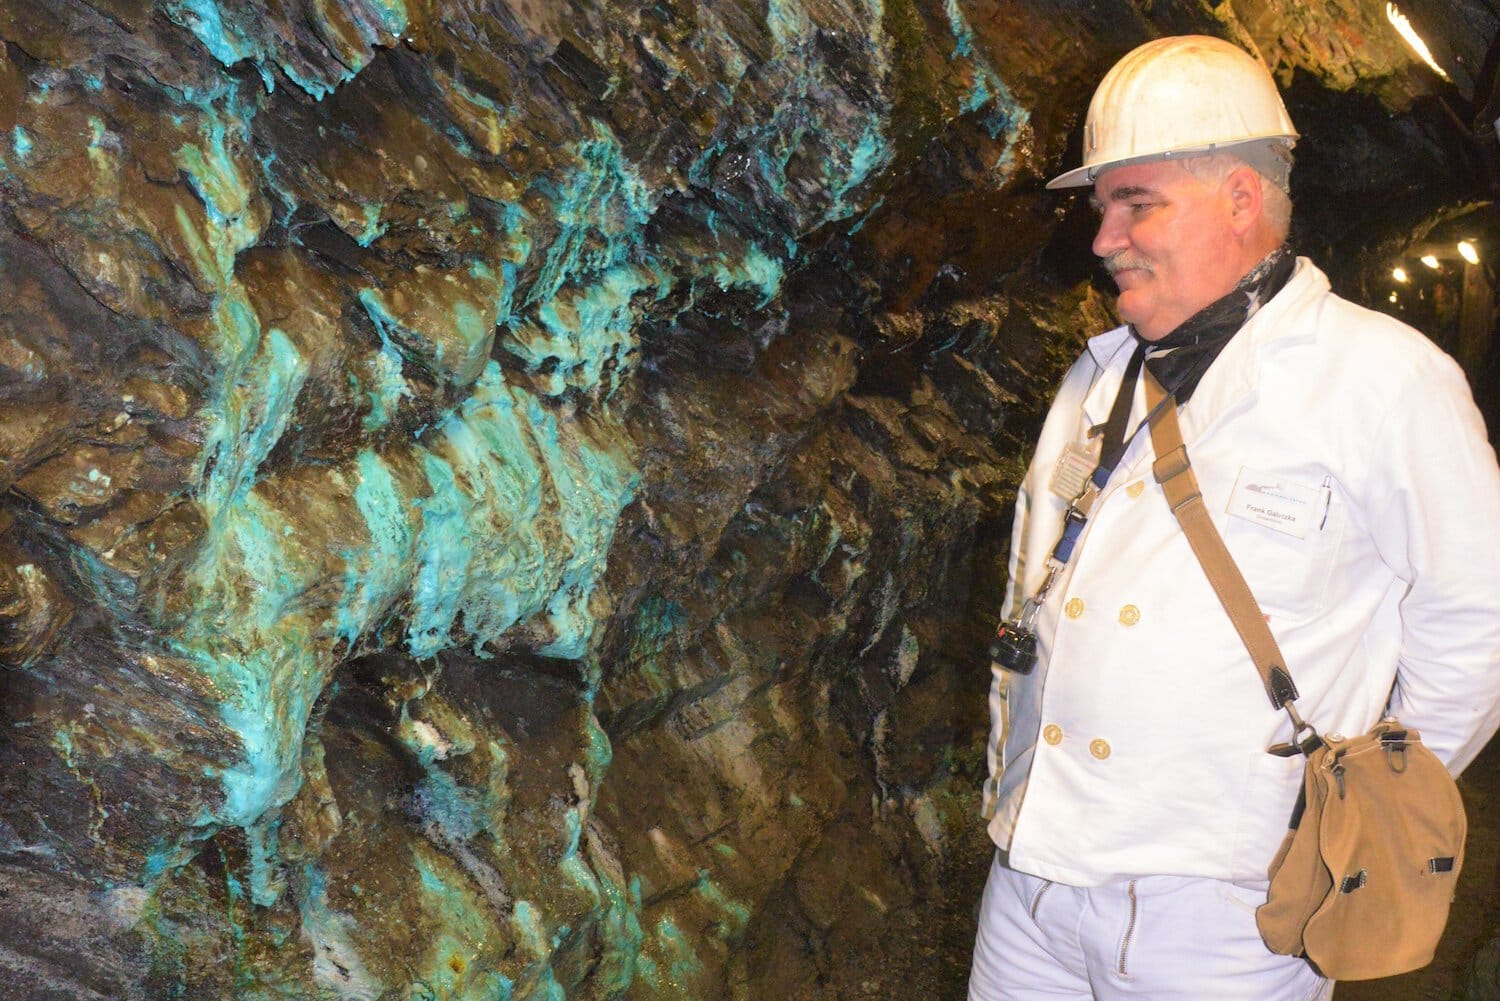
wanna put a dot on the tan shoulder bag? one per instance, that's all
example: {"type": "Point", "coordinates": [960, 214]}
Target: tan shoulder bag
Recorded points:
{"type": "Point", "coordinates": [1363, 881]}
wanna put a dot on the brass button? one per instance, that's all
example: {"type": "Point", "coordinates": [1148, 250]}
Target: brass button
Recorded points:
{"type": "Point", "coordinates": [1137, 488]}
{"type": "Point", "coordinates": [1099, 748]}
{"type": "Point", "coordinates": [1052, 734]}
{"type": "Point", "coordinates": [1129, 615]}
{"type": "Point", "coordinates": [1074, 608]}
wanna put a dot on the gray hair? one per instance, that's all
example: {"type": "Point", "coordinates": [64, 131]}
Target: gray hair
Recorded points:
{"type": "Point", "coordinates": [1215, 168]}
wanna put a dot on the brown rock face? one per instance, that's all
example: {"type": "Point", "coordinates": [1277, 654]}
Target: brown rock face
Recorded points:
{"type": "Point", "coordinates": [509, 500]}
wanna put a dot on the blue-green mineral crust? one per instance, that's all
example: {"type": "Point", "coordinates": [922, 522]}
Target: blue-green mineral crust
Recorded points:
{"type": "Point", "coordinates": [382, 304]}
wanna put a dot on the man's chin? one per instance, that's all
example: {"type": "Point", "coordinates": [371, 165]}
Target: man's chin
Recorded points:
{"type": "Point", "coordinates": [1130, 308]}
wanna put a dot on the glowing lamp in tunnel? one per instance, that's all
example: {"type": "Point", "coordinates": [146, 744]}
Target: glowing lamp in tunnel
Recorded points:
{"type": "Point", "coordinates": [1393, 297]}
{"type": "Point", "coordinates": [1406, 31]}
{"type": "Point", "coordinates": [1430, 261]}
{"type": "Point", "coordinates": [1400, 275]}
{"type": "Point", "coordinates": [1467, 252]}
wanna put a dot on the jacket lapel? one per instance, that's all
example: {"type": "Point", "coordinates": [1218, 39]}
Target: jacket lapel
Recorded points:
{"type": "Point", "coordinates": [1232, 383]}
{"type": "Point", "coordinates": [1111, 352]}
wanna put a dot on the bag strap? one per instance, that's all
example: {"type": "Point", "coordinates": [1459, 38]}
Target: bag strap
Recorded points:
{"type": "Point", "coordinates": [1175, 474]}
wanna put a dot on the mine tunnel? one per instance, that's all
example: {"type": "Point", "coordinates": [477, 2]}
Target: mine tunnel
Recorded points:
{"type": "Point", "coordinates": [511, 500]}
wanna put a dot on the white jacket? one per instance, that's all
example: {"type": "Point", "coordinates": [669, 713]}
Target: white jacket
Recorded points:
{"type": "Point", "coordinates": [1138, 745]}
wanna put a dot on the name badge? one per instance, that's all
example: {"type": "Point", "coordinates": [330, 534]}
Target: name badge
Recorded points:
{"type": "Point", "coordinates": [1270, 500]}
{"type": "Point", "coordinates": [1074, 467]}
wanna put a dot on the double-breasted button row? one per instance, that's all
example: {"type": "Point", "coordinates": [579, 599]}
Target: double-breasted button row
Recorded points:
{"type": "Point", "coordinates": [1129, 614]}
{"type": "Point", "coordinates": [1098, 747]}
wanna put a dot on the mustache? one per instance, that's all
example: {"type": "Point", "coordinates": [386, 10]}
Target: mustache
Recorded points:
{"type": "Point", "coordinates": [1122, 260]}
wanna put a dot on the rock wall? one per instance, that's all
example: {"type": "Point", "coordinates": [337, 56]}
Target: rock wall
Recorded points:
{"type": "Point", "coordinates": [508, 500]}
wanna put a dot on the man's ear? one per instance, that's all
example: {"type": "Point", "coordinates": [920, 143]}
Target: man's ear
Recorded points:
{"type": "Point", "coordinates": [1245, 201]}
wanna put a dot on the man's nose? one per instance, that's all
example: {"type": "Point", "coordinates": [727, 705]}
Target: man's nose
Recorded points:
{"type": "Point", "coordinates": [1111, 235]}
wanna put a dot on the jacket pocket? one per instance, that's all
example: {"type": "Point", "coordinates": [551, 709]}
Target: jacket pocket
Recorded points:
{"type": "Point", "coordinates": [1289, 576]}
{"type": "Point", "coordinates": [1265, 809]}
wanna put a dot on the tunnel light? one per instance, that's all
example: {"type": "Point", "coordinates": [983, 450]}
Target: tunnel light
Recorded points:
{"type": "Point", "coordinates": [1404, 28]}
{"type": "Point", "coordinates": [1393, 297]}
{"type": "Point", "coordinates": [1467, 252]}
{"type": "Point", "coordinates": [1400, 275]}
{"type": "Point", "coordinates": [1430, 261]}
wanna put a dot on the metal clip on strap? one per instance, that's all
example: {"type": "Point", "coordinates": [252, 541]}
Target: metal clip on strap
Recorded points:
{"type": "Point", "coordinates": [1074, 519]}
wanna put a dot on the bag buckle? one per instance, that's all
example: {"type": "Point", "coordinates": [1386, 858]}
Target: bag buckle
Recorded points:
{"type": "Point", "coordinates": [1299, 744]}
{"type": "Point", "coordinates": [1395, 744]}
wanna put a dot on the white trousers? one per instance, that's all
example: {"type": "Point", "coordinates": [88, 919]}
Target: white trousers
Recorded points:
{"type": "Point", "coordinates": [1165, 938]}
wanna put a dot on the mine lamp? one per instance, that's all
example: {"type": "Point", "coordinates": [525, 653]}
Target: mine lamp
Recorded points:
{"type": "Point", "coordinates": [1406, 31]}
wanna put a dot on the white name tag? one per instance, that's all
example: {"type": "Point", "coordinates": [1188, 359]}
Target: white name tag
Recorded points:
{"type": "Point", "coordinates": [1274, 502]}
{"type": "Point", "coordinates": [1074, 467]}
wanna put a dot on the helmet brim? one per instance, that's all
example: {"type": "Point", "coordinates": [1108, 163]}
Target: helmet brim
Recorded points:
{"type": "Point", "coordinates": [1086, 175]}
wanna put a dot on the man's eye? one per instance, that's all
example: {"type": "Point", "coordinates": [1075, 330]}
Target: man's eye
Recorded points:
{"type": "Point", "coordinates": [1140, 206]}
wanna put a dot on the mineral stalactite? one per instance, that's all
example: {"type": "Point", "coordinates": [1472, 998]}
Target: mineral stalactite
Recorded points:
{"type": "Point", "coordinates": [506, 500]}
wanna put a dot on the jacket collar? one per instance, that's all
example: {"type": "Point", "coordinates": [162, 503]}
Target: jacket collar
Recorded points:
{"type": "Point", "coordinates": [1233, 378]}
{"type": "Point", "coordinates": [1111, 351]}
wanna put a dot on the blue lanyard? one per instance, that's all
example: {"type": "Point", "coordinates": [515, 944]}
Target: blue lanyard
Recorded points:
{"type": "Point", "coordinates": [1111, 451]}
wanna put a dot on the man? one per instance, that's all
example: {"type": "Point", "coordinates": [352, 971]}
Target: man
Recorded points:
{"type": "Point", "coordinates": [1132, 800]}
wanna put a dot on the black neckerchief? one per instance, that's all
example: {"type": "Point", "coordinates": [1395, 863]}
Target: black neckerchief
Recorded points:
{"type": "Point", "coordinates": [1177, 361]}
{"type": "Point", "coordinates": [1180, 359]}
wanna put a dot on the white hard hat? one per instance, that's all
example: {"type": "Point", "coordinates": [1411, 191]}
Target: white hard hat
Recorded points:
{"type": "Point", "coordinates": [1185, 96]}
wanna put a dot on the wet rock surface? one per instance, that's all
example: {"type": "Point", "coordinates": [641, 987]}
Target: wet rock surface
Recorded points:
{"type": "Point", "coordinates": [509, 501]}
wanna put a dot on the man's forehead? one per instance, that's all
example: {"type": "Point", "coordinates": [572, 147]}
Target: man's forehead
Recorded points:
{"type": "Point", "coordinates": [1137, 181]}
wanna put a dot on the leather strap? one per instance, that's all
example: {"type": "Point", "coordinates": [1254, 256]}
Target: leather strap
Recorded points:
{"type": "Point", "coordinates": [1175, 474]}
